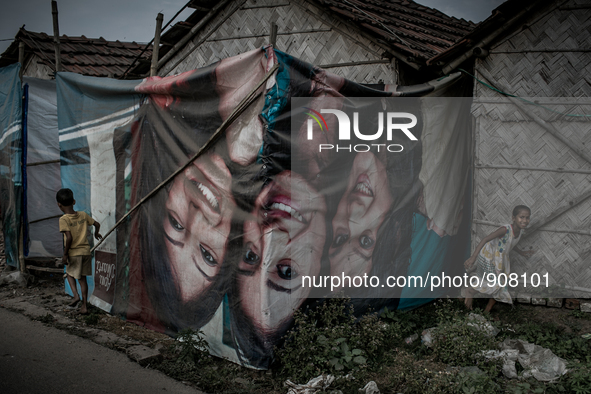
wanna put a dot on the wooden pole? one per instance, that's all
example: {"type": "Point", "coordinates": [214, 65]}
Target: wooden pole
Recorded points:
{"type": "Point", "coordinates": [56, 37]}
{"type": "Point", "coordinates": [21, 58]}
{"type": "Point", "coordinates": [240, 108]}
{"type": "Point", "coordinates": [202, 22]}
{"type": "Point", "coordinates": [273, 37]}
{"type": "Point", "coordinates": [156, 46]}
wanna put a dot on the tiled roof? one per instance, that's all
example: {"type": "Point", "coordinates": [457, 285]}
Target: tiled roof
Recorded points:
{"type": "Point", "coordinates": [501, 19]}
{"type": "Point", "coordinates": [418, 31]}
{"type": "Point", "coordinates": [95, 57]}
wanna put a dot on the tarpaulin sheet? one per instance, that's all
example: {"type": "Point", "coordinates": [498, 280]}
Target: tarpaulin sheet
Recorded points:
{"type": "Point", "coordinates": [90, 110]}
{"type": "Point", "coordinates": [299, 190]}
{"type": "Point", "coordinates": [11, 147]}
{"type": "Point", "coordinates": [43, 170]}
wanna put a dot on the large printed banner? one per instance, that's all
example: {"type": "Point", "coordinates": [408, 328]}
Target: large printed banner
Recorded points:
{"type": "Point", "coordinates": [11, 147]}
{"type": "Point", "coordinates": [322, 187]}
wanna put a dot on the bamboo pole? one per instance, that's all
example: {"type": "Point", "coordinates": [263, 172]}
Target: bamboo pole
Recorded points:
{"type": "Point", "coordinates": [196, 45]}
{"type": "Point", "coordinates": [56, 37]}
{"type": "Point", "coordinates": [156, 46]}
{"type": "Point", "coordinates": [548, 229]}
{"type": "Point", "coordinates": [567, 207]}
{"type": "Point", "coordinates": [241, 107]}
{"type": "Point", "coordinates": [21, 58]}
{"type": "Point", "coordinates": [273, 36]}
{"type": "Point", "coordinates": [545, 169]}
{"type": "Point", "coordinates": [152, 40]}
{"type": "Point", "coordinates": [191, 33]}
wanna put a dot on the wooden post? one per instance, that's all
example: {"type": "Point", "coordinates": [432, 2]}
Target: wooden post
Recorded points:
{"type": "Point", "coordinates": [56, 37]}
{"type": "Point", "coordinates": [156, 46]}
{"type": "Point", "coordinates": [273, 38]}
{"type": "Point", "coordinates": [21, 58]}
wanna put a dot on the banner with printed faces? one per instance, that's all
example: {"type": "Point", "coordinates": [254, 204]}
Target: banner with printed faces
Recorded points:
{"type": "Point", "coordinates": [318, 189]}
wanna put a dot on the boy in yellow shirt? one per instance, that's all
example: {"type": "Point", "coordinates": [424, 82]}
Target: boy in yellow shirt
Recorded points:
{"type": "Point", "coordinates": [74, 226]}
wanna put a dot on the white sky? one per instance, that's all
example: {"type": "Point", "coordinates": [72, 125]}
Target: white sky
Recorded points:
{"type": "Point", "coordinates": [135, 20]}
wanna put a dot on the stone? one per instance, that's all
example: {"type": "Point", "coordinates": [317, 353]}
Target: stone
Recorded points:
{"type": "Point", "coordinates": [571, 303]}
{"type": "Point", "coordinates": [586, 306]}
{"type": "Point", "coordinates": [524, 299]}
{"type": "Point", "coordinates": [143, 355]}
{"type": "Point", "coordinates": [555, 302]}
{"type": "Point", "coordinates": [538, 301]}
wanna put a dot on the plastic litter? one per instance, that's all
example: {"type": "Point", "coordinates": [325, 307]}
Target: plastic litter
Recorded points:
{"type": "Point", "coordinates": [313, 386]}
{"type": "Point", "coordinates": [411, 339]}
{"type": "Point", "coordinates": [371, 387]}
{"type": "Point", "coordinates": [536, 361]}
{"type": "Point", "coordinates": [17, 277]}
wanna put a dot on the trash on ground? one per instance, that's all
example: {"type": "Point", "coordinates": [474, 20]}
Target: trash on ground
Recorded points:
{"type": "Point", "coordinates": [482, 324]}
{"type": "Point", "coordinates": [17, 278]}
{"type": "Point", "coordinates": [536, 361]}
{"type": "Point", "coordinates": [411, 339]}
{"type": "Point", "coordinates": [314, 385]}
{"type": "Point", "coordinates": [371, 387]}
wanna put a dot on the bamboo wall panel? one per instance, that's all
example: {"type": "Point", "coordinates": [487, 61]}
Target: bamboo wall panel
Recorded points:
{"type": "Point", "coordinates": [37, 69]}
{"type": "Point", "coordinates": [304, 32]}
{"type": "Point", "coordinates": [505, 136]}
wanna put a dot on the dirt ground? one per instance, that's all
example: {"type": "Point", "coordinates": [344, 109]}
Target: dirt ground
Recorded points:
{"type": "Point", "coordinates": [46, 292]}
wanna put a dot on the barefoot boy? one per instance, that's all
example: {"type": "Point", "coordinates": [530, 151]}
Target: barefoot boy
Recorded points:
{"type": "Point", "coordinates": [74, 225]}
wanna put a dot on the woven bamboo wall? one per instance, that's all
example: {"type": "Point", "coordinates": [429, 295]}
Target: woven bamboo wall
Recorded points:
{"type": "Point", "coordinates": [36, 69]}
{"type": "Point", "coordinates": [545, 59]}
{"type": "Point", "coordinates": [304, 32]}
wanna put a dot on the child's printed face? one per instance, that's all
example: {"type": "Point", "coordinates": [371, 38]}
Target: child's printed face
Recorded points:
{"type": "Point", "coordinates": [521, 220]}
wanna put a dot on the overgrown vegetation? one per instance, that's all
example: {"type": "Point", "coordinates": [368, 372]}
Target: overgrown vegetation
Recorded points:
{"type": "Point", "coordinates": [329, 340]}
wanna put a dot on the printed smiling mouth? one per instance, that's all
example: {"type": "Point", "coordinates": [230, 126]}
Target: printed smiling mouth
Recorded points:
{"type": "Point", "coordinates": [209, 196]}
{"type": "Point", "coordinates": [277, 206]}
{"type": "Point", "coordinates": [363, 188]}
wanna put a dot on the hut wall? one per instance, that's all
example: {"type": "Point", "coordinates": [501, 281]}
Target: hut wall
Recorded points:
{"type": "Point", "coordinates": [304, 31]}
{"type": "Point", "coordinates": [37, 69]}
{"type": "Point", "coordinates": [548, 57]}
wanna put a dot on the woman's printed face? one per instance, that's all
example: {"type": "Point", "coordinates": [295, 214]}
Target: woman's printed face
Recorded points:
{"type": "Point", "coordinates": [283, 241]}
{"type": "Point", "coordinates": [197, 220]}
{"type": "Point", "coordinates": [359, 216]}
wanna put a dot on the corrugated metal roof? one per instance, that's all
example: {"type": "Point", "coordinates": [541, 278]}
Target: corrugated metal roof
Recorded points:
{"type": "Point", "coordinates": [413, 29]}
{"type": "Point", "coordinates": [95, 57]}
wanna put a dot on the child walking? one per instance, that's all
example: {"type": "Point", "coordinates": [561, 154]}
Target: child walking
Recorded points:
{"type": "Point", "coordinates": [74, 226]}
{"type": "Point", "coordinates": [491, 256]}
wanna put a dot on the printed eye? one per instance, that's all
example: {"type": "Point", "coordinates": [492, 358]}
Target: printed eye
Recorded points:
{"type": "Point", "coordinates": [175, 225]}
{"type": "Point", "coordinates": [285, 272]}
{"type": "Point", "coordinates": [251, 258]}
{"type": "Point", "coordinates": [209, 260]}
{"type": "Point", "coordinates": [339, 240]}
{"type": "Point", "coordinates": [366, 242]}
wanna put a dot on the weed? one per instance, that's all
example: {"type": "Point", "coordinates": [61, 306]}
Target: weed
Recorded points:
{"type": "Point", "coordinates": [328, 339]}
{"type": "Point", "coordinates": [457, 338]}
{"type": "Point", "coordinates": [192, 347]}
{"type": "Point", "coordinates": [578, 314]}
{"type": "Point", "coordinates": [91, 319]}
{"type": "Point", "coordinates": [549, 335]}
